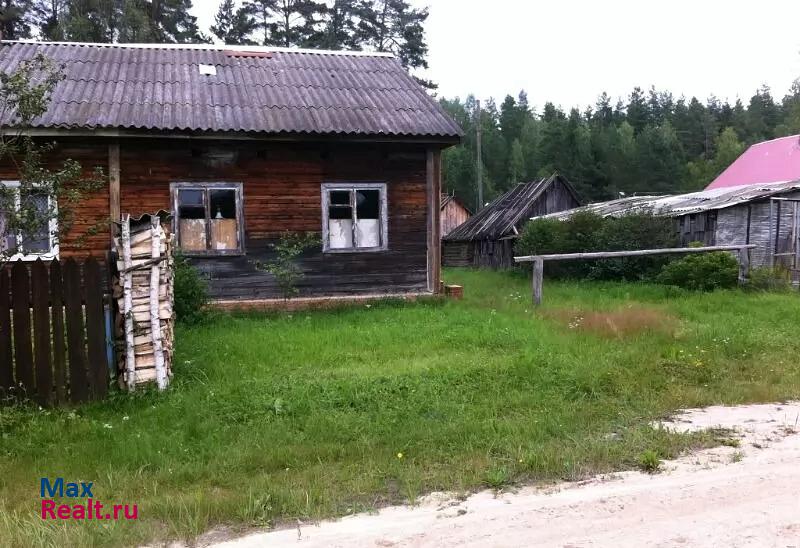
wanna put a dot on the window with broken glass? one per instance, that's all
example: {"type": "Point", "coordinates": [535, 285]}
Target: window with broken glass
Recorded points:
{"type": "Point", "coordinates": [208, 218]}
{"type": "Point", "coordinates": [354, 217]}
{"type": "Point", "coordinates": [36, 232]}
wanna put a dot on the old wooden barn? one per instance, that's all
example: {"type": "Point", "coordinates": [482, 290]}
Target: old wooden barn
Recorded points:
{"type": "Point", "coordinates": [766, 215]}
{"type": "Point", "coordinates": [241, 144]}
{"type": "Point", "coordinates": [487, 238]}
{"type": "Point", "coordinates": [452, 213]}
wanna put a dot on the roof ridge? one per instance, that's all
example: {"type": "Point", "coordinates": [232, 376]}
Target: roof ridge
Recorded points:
{"type": "Point", "coordinates": [208, 47]}
{"type": "Point", "coordinates": [797, 137]}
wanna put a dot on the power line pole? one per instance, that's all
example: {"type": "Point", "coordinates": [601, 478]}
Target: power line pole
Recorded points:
{"type": "Point", "coordinates": [478, 162]}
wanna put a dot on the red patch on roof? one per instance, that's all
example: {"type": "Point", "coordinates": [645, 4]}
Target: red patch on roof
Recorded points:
{"type": "Point", "coordinates": [772, 161]}
{"type": "Point", "coordinates": [259, 54]}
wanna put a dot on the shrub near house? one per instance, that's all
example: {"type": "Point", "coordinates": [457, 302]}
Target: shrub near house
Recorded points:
{"type": "Point", "coordinates": [586, 232]}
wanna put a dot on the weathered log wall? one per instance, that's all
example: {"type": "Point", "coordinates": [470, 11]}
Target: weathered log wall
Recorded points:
{"type": "Point", "coordinates": [282, 192]}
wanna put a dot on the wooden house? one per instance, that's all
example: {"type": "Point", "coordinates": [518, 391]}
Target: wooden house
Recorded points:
{"type": "Point", "coordinates": [452, 213]}
{"type": "Point", "coordinates": [767, 215]}
{"type": "Point", "coordinates": [242, 144]}
{"type": "Point", "coordinates": [487, 238]}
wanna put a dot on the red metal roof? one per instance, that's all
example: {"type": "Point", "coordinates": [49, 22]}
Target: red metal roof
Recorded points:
{"type": "Point", "coordinates": [772, 161]}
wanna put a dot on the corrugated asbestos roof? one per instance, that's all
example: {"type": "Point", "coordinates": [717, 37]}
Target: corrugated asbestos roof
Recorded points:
{"type": "Point", "coordinates": [501, 217]}
{"type": "Point", "coordinates": [683, 204]}
{"type": "Point", "coordinates": [263, 90]}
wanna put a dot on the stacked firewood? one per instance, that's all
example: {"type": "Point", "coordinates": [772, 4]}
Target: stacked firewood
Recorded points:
{"type": "Point", "coordinates": [143, 288]}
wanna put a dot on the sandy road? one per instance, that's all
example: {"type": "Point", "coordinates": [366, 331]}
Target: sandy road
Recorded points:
{"type": "Point", "coordinates": [745, 496]}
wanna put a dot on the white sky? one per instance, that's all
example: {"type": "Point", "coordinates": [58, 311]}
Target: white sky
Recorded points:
{"type": "Point", "coordinates": [568, 51]}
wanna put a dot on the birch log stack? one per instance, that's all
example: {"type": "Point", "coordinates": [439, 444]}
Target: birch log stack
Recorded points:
{"type": "Point", "coordinates": [144, 291]}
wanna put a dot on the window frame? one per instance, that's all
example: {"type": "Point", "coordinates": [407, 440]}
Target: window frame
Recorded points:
{"type": "Point", "coordinates": [52, 228]}
{"type": "Point", "coordinates": [206, 187]}
{"type": "Point", "coordinates": [383, 225]}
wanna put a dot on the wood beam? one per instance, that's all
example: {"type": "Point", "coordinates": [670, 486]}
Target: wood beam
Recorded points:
{"type": "Point", "coordinates": [114, 186]}
{"type": "Point", "coordinates": [433, 177]}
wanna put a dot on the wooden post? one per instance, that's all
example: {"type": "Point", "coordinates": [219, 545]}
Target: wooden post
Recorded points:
{"type": "Point", "coordinates": [795, 244]}
{"type": "Point", "coordinates": [127, 310]}
{"type": "Point", "coordinates": [744, 265]}
{"type": "Point", "coordinates": [772, 235]}
{"type": "Point", "coordinates": [478, 162]}
{"type": "Point", "coordinates": [429, 215]}
{"type": "Point", "coordinates": [538, 260]}
{"type": "Point", "coordinates": [113, 186]}
{"type": "Point", "coordinates": [155, 319]}
{"type": "Point", "coordinates": [538, 274]}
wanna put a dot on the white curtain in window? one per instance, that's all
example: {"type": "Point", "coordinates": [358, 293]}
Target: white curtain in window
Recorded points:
{"type": "Point", "coordinates": [340, 233]}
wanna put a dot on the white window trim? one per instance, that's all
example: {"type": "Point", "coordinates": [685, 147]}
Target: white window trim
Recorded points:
{"type": "Point", "coordinates": [205, 186]}
{"type": "Point", "coordinates": [52, 227]}
{"type": "Point", "coordinates": [327, 188]}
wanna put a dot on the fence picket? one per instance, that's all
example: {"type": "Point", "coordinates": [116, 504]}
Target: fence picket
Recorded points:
{"type": "Point", "coordinates": [59, 342]}
{"type": "Point", "coordinates": [23, 352]}
{"type": "Point", "coordinates": [6, 356]}
{"type": "Point", "coordinates": [41, 332]}
{"type": "Point", "coordinates": [78, 381]}
{"type": "Point", "coordinates": [95, 329]}
{"type": "Point", "coordinates": [53, 332]}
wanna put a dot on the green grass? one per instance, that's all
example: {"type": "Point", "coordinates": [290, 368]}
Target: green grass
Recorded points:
{"type": "Point", "coordinates": [310, 415]}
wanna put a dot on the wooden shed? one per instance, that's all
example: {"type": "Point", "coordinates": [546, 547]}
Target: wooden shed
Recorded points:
{"type": "Point", "coordinates": [453, 213]}
{"type": "Point", "coordinates": [487, 238]}
{"type": "Point", "coordinates": [242, 144]}
{"type": "Point", "coordinates": [767, 215]}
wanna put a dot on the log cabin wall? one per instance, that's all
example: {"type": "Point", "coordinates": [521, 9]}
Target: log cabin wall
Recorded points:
{"type": "Point", "coordinates": [89, 234]}
{"type": "Point", "coordinates": [281, 188]}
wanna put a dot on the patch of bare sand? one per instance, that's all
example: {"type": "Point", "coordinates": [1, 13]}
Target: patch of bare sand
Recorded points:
{"type": "Point", "coordinates": [726, 496]}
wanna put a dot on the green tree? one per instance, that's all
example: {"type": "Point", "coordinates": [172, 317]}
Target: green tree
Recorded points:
{"type": "Point", "coordinates": [394, 26]}
{"type": "Point", "coordinates": [45, 195]}
{"type": "Point", "coordinates": [18, 18]}
{"type": "Point", "coordinates": [49, 16]}
{"type": "Point", "coordinates": [660, 159]}
{"type": "Point", "coordinates": [516, 163]}
{"type": "Point", "coordinates": [295, 23]}
{"type": "Point", "coordinates": [636, 110]}
{"type": "Point", "coordinates": [340, 27]}
{"type": "Point", "coordinates": [232, 24]}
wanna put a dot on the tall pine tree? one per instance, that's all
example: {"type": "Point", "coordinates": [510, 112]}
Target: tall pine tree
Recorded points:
{"type": "Point", "coordinates": [232, 24]}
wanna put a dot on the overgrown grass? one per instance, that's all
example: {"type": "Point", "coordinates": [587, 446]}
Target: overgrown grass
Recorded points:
{"type": "Point", "coordinates": [308, 415]}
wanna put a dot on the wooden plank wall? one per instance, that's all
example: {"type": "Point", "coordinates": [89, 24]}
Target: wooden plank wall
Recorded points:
{"type": "Point", "coordinates": [453, 214]}
{"type": "Point", "coordinates": [750, 223]}
{"type": "Point", "coordinates": [89, 234]}
{"type": "Point", "coordinates": [281, 192]}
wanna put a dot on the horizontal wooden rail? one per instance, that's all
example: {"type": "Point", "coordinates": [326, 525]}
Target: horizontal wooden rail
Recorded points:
{"type": "Point", "coordinates": [538, 260]}
{"type": "Point", "coordinates": [635, 253]}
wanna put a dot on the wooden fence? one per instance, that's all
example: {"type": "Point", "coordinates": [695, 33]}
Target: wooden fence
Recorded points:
{"type": "Point", "coordinates": [53, 332]}
{"type": "Point", "coordinates": [538, 260]}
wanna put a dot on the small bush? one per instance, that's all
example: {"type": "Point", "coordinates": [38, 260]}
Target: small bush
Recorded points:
{"type": "Point", "coordinates": [649, 461]}
{"type": "Point", "coordinates": [191, 293]}
{"type": "Point", "coordinates": [497, 477]}
{"type": "Point", "coordinates": [769, 279]}
{"type": "Point", "coordinates": [702, 272]}
{"type": "Point", "coordinates": [285, 267]}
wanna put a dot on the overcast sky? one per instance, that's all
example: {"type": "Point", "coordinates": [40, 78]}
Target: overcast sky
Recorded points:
{"type": "Point", "coordinates": [568, 51]}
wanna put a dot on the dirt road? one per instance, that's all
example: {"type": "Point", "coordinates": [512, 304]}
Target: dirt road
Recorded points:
{"type": "Point", "coordinates": [745, 496]}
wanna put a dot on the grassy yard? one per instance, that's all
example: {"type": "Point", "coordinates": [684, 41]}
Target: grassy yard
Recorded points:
{"type": "Point", "coordinates": [321, 414]}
